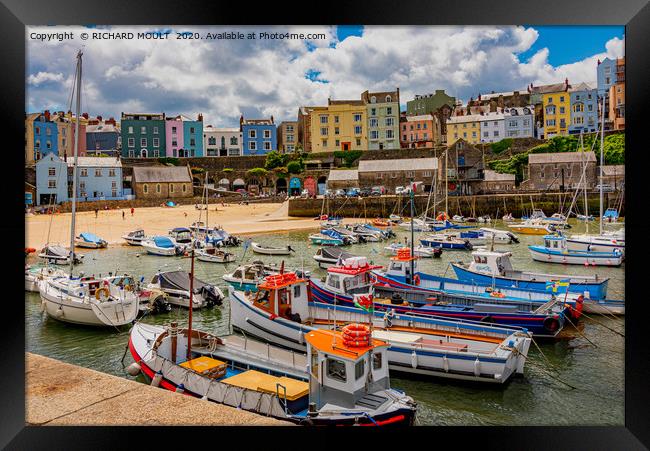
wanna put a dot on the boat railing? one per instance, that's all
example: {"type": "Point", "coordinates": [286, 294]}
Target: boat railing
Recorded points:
{"type": "Point", "coordinates": [282, 401]}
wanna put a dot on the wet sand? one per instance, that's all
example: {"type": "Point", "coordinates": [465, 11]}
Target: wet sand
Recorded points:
{"type": "Point", "coordinates": [240, 220]}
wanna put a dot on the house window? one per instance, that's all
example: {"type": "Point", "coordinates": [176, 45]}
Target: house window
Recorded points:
{"type": "Point", "coordinates": [156, 142]}
{"type": "Point", "coordinates": [114, 193]}
{"type": "Point", "coordinates": [336, 130]}
{"type": "Point", "coordinates": [323, 119]}
{"type": "Point", "coordinates": [114, 185]}
{"type": "Point", "coordinates": [373, 122]}
{"type": "Point", "coordinates": [131, 142]}
{"type": "Point", "coordinates": [98, 172]}
{"type": "Point", "coordinates": [212, 141]}
{"type": "Point", "coordinates": [337, 143]}
{"type": "Point", "coordinates": [82, 186]}
{"type": "Point", "coordinates": [324, 143]}
{"type": "Point", "coordinates": [561, 98]}
{"type": "Point", "coordinates": [51, 171]}
{"type": "Point", "coordinates": [173, 130]}
{"type": "Point", "coordinates": [252, 134]}
{"type": "Point", "coordinates": [158, 188]}
{"type": "Point", "coordinates": [486, 134]}
{"type": "Point", "coordinates": [48, 145]}
{"type": "Point", "coordinates": [143, 130]}
{"type": "Point", "coordinates": [374, 134]}
{"type": "Point", "coordinates": [357, 117]}
{"type": "Point", "coordinates": [37, 130]}
{"type": "Point", "coordinates": [130, 130]}
{"type": "Point", "coordinates": [496, 132]}
{"type": "Point", "coordinates": [83, 173]}
{"type": "Point", "coordinates": [131, 153]}
{"type": "Point", "coordinates": [389, 134]}
{"type": "Point", "coordinates": [378, 176]}
{"type": "Point", "coordinates": [155, 130]}
{"type": "Point", "coordinates": [233, 141]}
{"type": "Point", "coordinates": [267, 145]}
{"type": "Point", "coordinates": [267, 134]}
{"type": "Point", "coordinates": [390, 121]}
{"type": "Point", "coordinates": [252, 145]}
{"type": "Point", "coordinates": [48, 131]}
{"type": "Point", "coordinates": [427, 174]}
{"type": "Point", "coordinates": [323, 131]}
{"type": "Point", "coordinates": [145, 188]}
{"type": "Point", "coordinates": [389, 110]}
{"type": "Point", "coordinates": [192, 130]}
{"type": "Point", "coordinates": [184, 187]}
{"type": "Point", "coordinates": [192, 142]}
{"type": "Point", "coordinates": [51, 183]}
{"type": "Point", "coordinates": [336, 119]}
{"type": "Point", "coordinates": [171, 187]}
{"type": "Point", "coordinates": [357, 129]}
{"type": "Point", "coordinates": [143, 142]}
{"type": "Point", "coordinates": [373, 111]}
{"type": "Point", "coordinates": [358, 141]}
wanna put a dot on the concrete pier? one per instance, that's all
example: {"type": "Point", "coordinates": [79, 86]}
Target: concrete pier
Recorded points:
{"type": "Point", "coordinates": [59, 393]}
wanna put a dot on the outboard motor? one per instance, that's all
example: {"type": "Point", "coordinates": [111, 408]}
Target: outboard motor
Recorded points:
{"type": "Point", "coordinates": [437, 252]}
{"type": "Point", "coordinates": [362, 239]}
{"type": "Point", "coordinates": [179, 250]}
{"type": "Point", "coordinates": [468, 245]}
{"type": "Point", "coordinates": [211, 296]}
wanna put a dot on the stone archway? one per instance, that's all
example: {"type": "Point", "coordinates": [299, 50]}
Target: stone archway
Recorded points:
{"type": "Point", "coordinates": [238, 184]}
{"type": "Point", "coordinates": [281, 186]}
{"type": "Point", "coordinates": [322, 184]}
{"type": "Point", "coordinates": [310, 185]}
{"type": "Point", "coordinates": [295, 186]}
{"type": "Point", "coordinates": [224, 183]}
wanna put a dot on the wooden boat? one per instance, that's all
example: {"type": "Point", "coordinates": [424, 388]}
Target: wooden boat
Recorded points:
{"type": "Point", "coordinates": [379, 222]}
{"type": "Point", "coordinates": [272, 381]}
{"type": "Point", "coordinates": [532, 227]}
{"type": "Point", "coordinates": [214, 255]}
{"type": "Point", "coordinates": [555, 250]}
{"type": "Point", "coordinates": [90, 241]}
{"type": "Point", "coordinates": [494, 269]}
{"type": "Point", "coordinates": [135, 238]}
{"type": "Point", "coordinates": [282, 313]}
{"type": "Point", "coordinates": [177, 285]}
{"type": "Point", "coordinates": [269, 250]}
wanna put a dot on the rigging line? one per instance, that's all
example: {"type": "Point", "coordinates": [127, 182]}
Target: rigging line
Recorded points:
{"type": "Point", "coordinates": [579, 332]}
{"type": "Point", "coordinates": [606, 327]}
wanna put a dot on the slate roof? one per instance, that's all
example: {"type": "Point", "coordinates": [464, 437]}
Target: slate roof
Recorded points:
{"type": "Point", "coordinates": [405, 164]}
{"type": "Point", "coordinates": [561, 157]}
{"type": "Point", "coordinates": [493, 176]}
{"type": "Point", "coordinates": [152, 174]}
{"type": "Point", "coordinates": [343, 175]}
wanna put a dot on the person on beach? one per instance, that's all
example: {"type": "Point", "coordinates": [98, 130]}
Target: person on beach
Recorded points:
{"type": "Point", "coordinates": [132, 211]}
{"type": "Point", "coordinates": [96, 212]}
{"type": "Point", "coordinates": [122, 215]}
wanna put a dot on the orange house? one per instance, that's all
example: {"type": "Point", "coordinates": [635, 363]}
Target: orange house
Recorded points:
{"type": "Point", "coordinates": [419, 131]}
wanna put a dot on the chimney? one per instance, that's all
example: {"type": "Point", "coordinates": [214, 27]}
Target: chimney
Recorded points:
{"type": "Point", "coordinates": [271, 119]}
{"type": "Point", "coordinates": [46, 113]}
{"type": "Point", "coordinates": [200, 119]}
{"type": "Point", "coordinates": [65, 157]}
{"type": "Point", "coordinates": [598, 62]}
{"type": "Point", "coordinates": [566, 84]}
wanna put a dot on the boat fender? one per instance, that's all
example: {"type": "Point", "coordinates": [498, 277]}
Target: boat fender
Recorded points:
{"type": "Point", "coordinates": [445, 363]}
{"type": "Point", "coordinates": [98, 293]}
{"type": "Point", "coordinates": [416, 279]}
{"type": "Point", "coordinates": [551, 324]}
{"type": "Point", "coordinates": [414, 360]}
{"type": "Point", "coordinates": [59, 313]}
{"type": "Point", "coordinates": [155, 382]}
{"type": "Point", "coordinates": [133, 369]}
{"type": "Point", "coordinates": [42, 306]}
{"type": "Point", "coordinates": [180, 389]}
{"type": "Point", "coordinates": [477, 367]}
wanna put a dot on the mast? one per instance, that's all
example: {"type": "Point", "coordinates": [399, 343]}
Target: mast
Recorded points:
{"type": "Point", "coordinates": [189, 322]}
{"type": "Point", "coordinates": [207, 205]}
{"type": "Point", "coordinates": [74, 164]}
{"type": "Point", "coordinates": [584, 187]}
{"type": "Point", "coordinates": [602, 144]}
{"type": "Point", "coordinates": [412, 236]}
{"type": "Point", "coordinates": [447, 182]}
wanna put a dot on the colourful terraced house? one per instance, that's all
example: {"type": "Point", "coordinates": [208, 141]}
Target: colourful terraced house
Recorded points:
{"type": "Point", "coordinates": [184, 137]}
{"type": "Point", "coordinates": [143, 135]}
{"type": "Point", "coordinates": [556, 106]}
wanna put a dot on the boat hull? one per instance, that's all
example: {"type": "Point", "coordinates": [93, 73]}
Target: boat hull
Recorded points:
{"type": "Point", "coordinates": [594, 244]}
{"type": "Point", "coordinates": [542, 254]}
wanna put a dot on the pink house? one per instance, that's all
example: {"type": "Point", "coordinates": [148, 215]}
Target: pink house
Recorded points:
{"type": "Point", "coordinates": [418, 131]}
{"type": "Point", "coordinates": [174, 135]}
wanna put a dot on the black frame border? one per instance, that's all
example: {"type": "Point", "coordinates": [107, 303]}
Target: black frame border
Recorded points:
{"type": "Point", "coordinates": [635, 14]}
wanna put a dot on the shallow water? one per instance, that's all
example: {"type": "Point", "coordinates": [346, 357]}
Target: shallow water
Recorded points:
{"type": "Point", "coordinates": [538, 398]}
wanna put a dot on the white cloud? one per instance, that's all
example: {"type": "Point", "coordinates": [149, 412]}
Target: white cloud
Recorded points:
{"type": "Point", "coordinates": [224, 79]}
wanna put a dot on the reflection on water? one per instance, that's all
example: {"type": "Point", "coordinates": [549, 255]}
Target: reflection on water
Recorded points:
{"type": "Point", "coordinates": [539, 398]}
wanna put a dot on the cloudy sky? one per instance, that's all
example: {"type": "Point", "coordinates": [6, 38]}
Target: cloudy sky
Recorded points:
{"type": "Point", "coordinates": [258, 78]}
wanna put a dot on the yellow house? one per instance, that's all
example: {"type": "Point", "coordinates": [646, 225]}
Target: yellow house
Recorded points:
{"type": "Point", "coordinates": [341, 125]}
{"type": "Point", "coordinates": [556, 107]}
{"type": "Point", "coordinates": [467, 127]}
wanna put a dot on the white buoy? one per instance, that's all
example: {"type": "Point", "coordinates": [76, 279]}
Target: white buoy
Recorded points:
{"type": "Point", "coordinates": [445, 363]}
{"type": "Point", "coordinates": [414, 360]}
{"type": "Point", "coordinates": [133, 369]}
{"type": "Point", "coordinates": [180, 389]}
{"type": "Point", "coordinates": [477, 367]}
{"type": "Point", "coordinates": [155, 382]}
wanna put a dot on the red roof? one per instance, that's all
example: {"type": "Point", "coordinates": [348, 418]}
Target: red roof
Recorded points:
{"type": "Point", "coordinates": [353, 271]}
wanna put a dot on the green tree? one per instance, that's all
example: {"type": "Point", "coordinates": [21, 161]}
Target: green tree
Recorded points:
{"type": "Point", "coordinates": [227, 170]}
{"type": "Point", "coordinates": [295, 167]}
{"type": "Point", "coordinates": [257, 172]}
{"type": "Point", "coordinates": [275, 159]}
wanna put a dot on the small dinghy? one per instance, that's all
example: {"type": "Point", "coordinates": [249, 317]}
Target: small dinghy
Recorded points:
{"type": "Point", "coordinates": [395, 219]}
{"type": "Point", "coordinates": [419, 251]}
{"type": "Point", "coordinates": [90, 241]}
{"type": "Point", "coordinates": [215, 255]}
{"type": "Point", "coordinates": [326, 256]}
{"type": "Point", "coordinates": [135, 238]}
{"type": "Point", "coordinates": [446, 242]}
{"type": "Point", "coordinates": [273, 381]}
{"type": "Point", "coordinates": [162, 245]}
{"type": "Point", "coordinates": [379, 222]}
{"type": "Point", "coordinates": [329, 238]}
{"type": "Point", "coordinates": [269, 250]}
{"type": "Point", "coordinates": [177, 285]}
{"type": "Point", "coordinates": [59, 255]}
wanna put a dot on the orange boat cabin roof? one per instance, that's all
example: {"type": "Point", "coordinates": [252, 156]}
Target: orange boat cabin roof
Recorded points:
{"type": "Point", "coordinates": [331, 342]}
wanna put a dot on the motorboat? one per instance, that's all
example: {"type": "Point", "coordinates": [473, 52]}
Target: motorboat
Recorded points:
{"type": "Point", "coordinates": [598, 243]}
{"type": "Point", "coordinates": [329, 238]}
{"type": "Point", "coordinates": [395, 219]}
{"type": "Point", "coordinates": [34, 274]}
{"type": "Point", "coordinates": [213, 254]}
{"type": "Point", "coordinates": [330, 255]}
{"type": "Point", "coordinates": [182, 236]}
{"type": "Point", "coordinates": [162, 245]}
{"type": "Point", "coordinates": [508, 218]}
{"type": "Point", "coordinates": [338, 382]}
{"type": "Point", "coordinates": [270, 250]}
{"type": "Point", "coordinates": [284, 313]}
{"type": "Point", "coordinates": [346, 233]}
{"type": "Point", "coordinates": [177, 285]}
{"type": "Point", "coordinates": [610, 215]}
{"type": "Point", "coordinates": [367, 234]}
{"type": "Point", "coordinates": [494, 269]}
{"type": "Point", "coordinates": [420, 251]}
{"type": "Point", "coordinates": [532, 227]}
{"type": "Point", "coordinates": [59, 255]}
{"type": "Point", "coordinates": [88, 301]}
{"type": "Point", "coordinates": [499, 236]}
{"type": "Point", "coordinates": [135, 238]}
{"type": "Point", "coordinates": [555, 250]}
{"type": "Point", "coordinates": [446, 242]}
{"type": "Point", "coordinates": [90, 241]}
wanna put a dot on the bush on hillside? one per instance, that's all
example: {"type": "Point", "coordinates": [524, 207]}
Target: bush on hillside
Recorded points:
{"type": "Point", "coordinates": [348, 156]}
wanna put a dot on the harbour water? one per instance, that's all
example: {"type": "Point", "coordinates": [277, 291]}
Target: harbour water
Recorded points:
{"type": "Point", "coordinates": [541, 397]}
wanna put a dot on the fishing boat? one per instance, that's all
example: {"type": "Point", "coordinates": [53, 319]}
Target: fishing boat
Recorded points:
{"type": "Point", "coordinates": [162, 245]}
{"type": "Point", "coordinates": [217, 236]}
{"type": "Point", "coordinates": [446, 242]}
{"type": "Point", "coordinates": [474, 237]}
{"type": "Point", "coordinates": [494, 269]}
{"type": "Point", "coordinates": [247, 277]}
{"type": "Point", "coordinates": [90, 241]}
{"type": "Point", "coordinates": [367, 234]}
{"type": "Point", "coordinates": [508, 218]}
{"type": "Point", "coordinates": [59, 255]}
{"type": "Point", "coordinates": [420, 251]}
{"type": "Point", "coordinates": [379, 222]}
{"type": "Point", "coordinates": [532, 227]}
{"type": "Point", "coordinates": [499, 236]}
{"type": "Point", "coordinates": [542, 315]}
{"type": "Point", "coordinates": [326, 256]}
{"type": "Point", "coordinates": [214, 255]}
{"type": "Point", "coordinates": [611, 215]}
{"type": "Point", "coordinates": [554, 250]}
{"type": "Point", "coordinates": [352, 237]}
{"type": "Point", "coordinates": [270, 250]}
{"type": "Point", "coordinates": [395, 219]}
{"type": "Point", "coordinates": [135, 238]}
{"type": "Point", "coordinates": [335, 383]}
{"type": "Point", "coordinates": [416, 224]}
{"type": "Point", "coordinates": [177, 285]}
{"type": "Point", "coordinates": [329, 238]}
{"type": "Point", "coordinates": [598, 243]}
{"type": "Point", "coordinates": [34, 274]}
{"type": "Point", "coordinates": [282, 312]}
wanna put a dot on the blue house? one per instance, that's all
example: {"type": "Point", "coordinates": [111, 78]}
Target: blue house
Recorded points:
{"type": "Point", "coordinates": [606, 75]}
{"type": "Point", "coordinates": [584, 109]}
{"type": "Point", "coordinates": [51, 180]}
{"type": "Point", "coordinates": [46, 136]}
{"type": "Point", "coordinates": [103, 138]}
{"type": "Point", "coordinates": [259, 136]}
{"type": "Point", "coordinates": [98, 178]}
{"type": "Point", "coordinates": [193, 136]}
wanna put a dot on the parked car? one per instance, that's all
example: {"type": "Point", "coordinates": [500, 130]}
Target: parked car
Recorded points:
{"type": "Point", "coordinates": [365, 192]}
{"type": "Point", "coordinates": [378, 191]}
{"type": "Point", "coordinates": [352, 192]}
{"type": "Point", "coordinates": [606, 188]}
{"type": "Point", "coordinates": [339, 193]}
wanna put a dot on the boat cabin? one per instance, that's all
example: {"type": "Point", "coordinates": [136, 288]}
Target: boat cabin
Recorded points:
{"type": "Point", "coordinates": [284, 295]}
{"type": "Point", "coordinates": [345, 376]}
{"type": "Point", "coordinates": [182, 235]}
{"type": "Point", "coordinates": [137, 234]}
{"type": "Point", "coordinates": [400, 265]}
{"type": "Point", "coordinates": [538, 214]}
{"type": "Point", "coordinates": [491, 262]}
{"type": "Point", "coordinates": [555, 242]}
{"type": "Point", "coordinates": [352, 277]}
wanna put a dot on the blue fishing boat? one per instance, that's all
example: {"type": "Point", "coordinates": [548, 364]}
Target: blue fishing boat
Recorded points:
{"type": "Point", "coordinates": [328, 237]}
{"type": "Point", "coordinates": [611, 215]}
{"type": "Point", "coordinates": [554, 250]}
{"type": "Point", "coordinates": [494, 269]}
{"type": "Point", "coordinates": [450, 225]}
{"type": "Point", "coordinates": [446, 242]}
{"type": "Point", "coordinates": [544, 317]}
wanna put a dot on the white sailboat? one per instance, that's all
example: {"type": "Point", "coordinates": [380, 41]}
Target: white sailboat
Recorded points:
{"type": "Point", "coordinates": [85, 300]}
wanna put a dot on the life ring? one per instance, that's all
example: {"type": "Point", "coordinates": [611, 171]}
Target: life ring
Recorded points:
{"type": "Point", "coordinates": [497, 294]}
{"type": "Point", "coordinates": [551, 324]}
{"type": "Point", "coordinates": [101, 290]}
{"type": "Point", "coordinates": [416, 279]}
{"type": "Point", "coordinates": [356, 335]}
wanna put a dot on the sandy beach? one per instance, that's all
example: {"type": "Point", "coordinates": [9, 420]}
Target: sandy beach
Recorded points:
{"type": "Point", "coordinates": [240, 220]}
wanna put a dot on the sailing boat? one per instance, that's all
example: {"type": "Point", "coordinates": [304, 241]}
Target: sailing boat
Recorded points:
{"type": "Point", "coordinates": [86, 300]}
{"type": "Point", "coordinates": [210, 252]}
